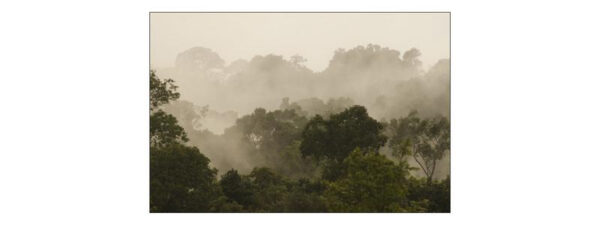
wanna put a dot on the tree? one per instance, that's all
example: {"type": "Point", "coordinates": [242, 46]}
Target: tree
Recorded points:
{"type": "Point", "coordinates": [271, 137]}
{"type": "Point", "coordinates": [181, 180]}
{"type": "Point", "coordinates": [369, 183]}
{"type": "Point", "coordinates": [163, 127]}
{"type": "Point", "coordinates": [164, 130]}
{"type": "Point", "coordinates": [198, 60]}
{"type": "Point", "coordinates": [435, 195]}
{"type": "Point", "coordinates": [305, 195]}
{"type": "Point", "coordinates": [336, 137]}
{"type": "Point", "coordinates": [410, 58]}
{"type": "Point", "coordinates": [180, 177]}
{"type": "Point", "coordinates": [237, 188]}
{"type": "Point", "coordinates": [425, 140]}
{"type": "Point", "coordinates": [362, 59]}
{"type": "Point", "coordinates": [293, 165]}
{"type": "Point", "coordinates": [270, 190]}
{"type": "Point", "coordinates": [271, 130]}
{"type": "Point", "coordinates": [161, 92]}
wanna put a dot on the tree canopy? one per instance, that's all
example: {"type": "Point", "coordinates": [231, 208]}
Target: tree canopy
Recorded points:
{"type": "Point", "coordinates": [369, 183]}
{"type": "Point", "coordinates": [161, 91]}
{"type": "Point", "coordinates": [309, 156]}
{"type": "Point", "coordinates": [336, 137]}
{"type": "Point", "coordinates": [180, 177]}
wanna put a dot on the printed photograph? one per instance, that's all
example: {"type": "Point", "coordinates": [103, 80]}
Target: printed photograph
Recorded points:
{"type": "Point", "coordinates": [299, 112]}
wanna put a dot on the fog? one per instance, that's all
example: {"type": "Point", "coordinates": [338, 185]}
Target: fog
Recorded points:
{"type": "Point", "coordinates": [315, 36]}
{"type": "Point", "coordinates": [228, 65]}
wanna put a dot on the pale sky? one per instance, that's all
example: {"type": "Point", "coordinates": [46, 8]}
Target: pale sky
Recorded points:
{"type": "Point", "coordinates": [314, 36]}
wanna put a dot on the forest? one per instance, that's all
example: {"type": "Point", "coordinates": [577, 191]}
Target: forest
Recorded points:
{"type": "Point", "coordinates": [370, 133]}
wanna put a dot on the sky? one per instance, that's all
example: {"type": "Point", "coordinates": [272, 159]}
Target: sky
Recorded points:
{"type": "Point", "coordinates": [315, 36]}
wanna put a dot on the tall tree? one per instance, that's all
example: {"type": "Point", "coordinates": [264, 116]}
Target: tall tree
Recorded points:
{"type": "Point", "coordinates": [425, 140]}
{"type": "Point", "coordinates": [163, 127]}
{"type": "Point", "coordinates": [180, 177]}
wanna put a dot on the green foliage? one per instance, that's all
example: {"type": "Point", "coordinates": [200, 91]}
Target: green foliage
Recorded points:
{"type": "Point", "coordinates": [237, 188]}
{"type": "Point", "coordinates": [355, 177]}
{"type": "Point", "coordinates": [293, 165]}
{"type": "Point", "coordinates": [435, 195]}
{"type": "Point", "coordinates": [336, 137]}
{"type": "Point", "coordinates": [272, 130]}
{"type": "Point", "coordinates": [164, 130]}
{"type": "Point", "coordinates": [305, 196]}
{"type": "Point", "coordinates": [265, 191]}
{"type": "Point", "coordinates": [273, 138]}
{"type": "Point", "coordinates": [369, 183]}
{"type": "Point", "coordinates": [161, 92]}
{"type": "Point", "coordinates": [180, 179]}
{"type": "Point", "coordinates": [223, 204]}
{"type": "Point", "coordinates": [333, 139]}
{"type": "Point", "coordinates": [425, 140]}
{"type": "Point", "coordinates": [270, 190]}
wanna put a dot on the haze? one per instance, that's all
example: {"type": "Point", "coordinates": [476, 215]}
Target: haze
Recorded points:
{"type": "Point", "coordinates": [233, 69]}
{"type": "Point", "coordinates": [315, 36]}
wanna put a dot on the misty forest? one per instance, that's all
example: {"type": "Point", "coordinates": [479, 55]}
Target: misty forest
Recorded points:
{"type": "Point", "coordinates": [369, 133]}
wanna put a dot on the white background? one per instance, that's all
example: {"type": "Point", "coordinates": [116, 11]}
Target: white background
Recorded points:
{"type": "Point", "coordinates": [74, 116]}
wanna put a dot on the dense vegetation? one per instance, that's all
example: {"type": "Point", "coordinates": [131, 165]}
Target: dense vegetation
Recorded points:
{"type": "Point", "coordinates": [325, 161]}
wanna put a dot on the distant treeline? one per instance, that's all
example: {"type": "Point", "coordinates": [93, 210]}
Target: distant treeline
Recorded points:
{"type": "Point", "coordinates": [389, 83]}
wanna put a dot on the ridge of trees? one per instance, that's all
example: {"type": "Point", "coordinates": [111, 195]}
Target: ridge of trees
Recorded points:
{"type": "Point", "coordinates": [321, 164]}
